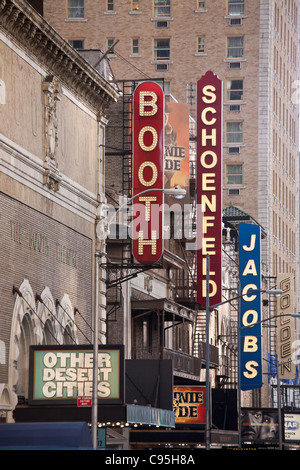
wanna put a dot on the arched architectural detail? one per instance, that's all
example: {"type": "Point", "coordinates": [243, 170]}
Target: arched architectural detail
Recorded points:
{"type": "Point", "coordinates": [25, 330]}
{"type": "Point", "coordinates": [7, 398]}
{"type": "Point", "coordinates": [65, 315]}
{"type": "Point", "coordinates": [34, 324]}
{"type": "Point", "coordinates": [46, 311]}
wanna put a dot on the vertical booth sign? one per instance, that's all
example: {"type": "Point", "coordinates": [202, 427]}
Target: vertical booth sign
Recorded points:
{"type": "Point", "coordinates": [250, 306]}
{"type": "Point", "coordinates": [148, 173]}
{"type": "Point", "coordinates": [209, 187]}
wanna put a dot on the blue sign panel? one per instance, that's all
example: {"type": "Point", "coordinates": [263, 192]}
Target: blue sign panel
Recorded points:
{"type": "Point", "coordinates": [250, 307]}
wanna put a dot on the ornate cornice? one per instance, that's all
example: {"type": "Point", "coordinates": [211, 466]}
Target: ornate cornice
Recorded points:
{"type": "Point", "coordinates": [20, 21]}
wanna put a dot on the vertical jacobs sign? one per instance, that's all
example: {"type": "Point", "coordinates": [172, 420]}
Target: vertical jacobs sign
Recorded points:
{"type": "Point", "coordinates": [209, 186]}
{"type": "Point", "coordinates": [148, 173]}
{"type": "Point", "coordinates": [250, 303]}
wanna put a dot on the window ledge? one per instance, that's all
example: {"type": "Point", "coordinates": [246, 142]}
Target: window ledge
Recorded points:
{"type": "Point", "coordinates": [135, 12]}
{"type": "Point", "coordinates": [235, 59]}
{"type": "Point", "coordinates": [163, 18]}
{"type": "Point", "coordinates": [110, 13]}
{"type": "Point", "coordinates": [163, 61]}
{"type": "Point", "coordinates": [199, 54]}
{"type": "Point", "coordinates": [77, 20]}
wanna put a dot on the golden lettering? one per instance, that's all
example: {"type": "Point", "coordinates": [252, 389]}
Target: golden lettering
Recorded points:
{"type": "Point", "coordinates": [246, 315]}
{"type": "Point", "coordinates": [214, 159]}
{"type": "Point", "coordinates": [151, 103]}
{"type": "Point", "coordinates": [154, 138]}
{"type": "Point", "coordinates": [250, 344]}
{"type": "Point", "coordinates": [143, 242]}
{"type": "Point", "coordinates": [203, 116]}
{"type": "Point", "coordinates": [245, 290]}
{"type": "Point", "coordinates": [209, 97]}
{"type": "Point", "coordinates": [212, 284]}
{"type": "Point", "coordinates": [207, 222]}
{"type": "Point", "coordinates": [250, 268]}
{"type": "Point", "coordinates": [208, 204]}
{"type": "Point", "coordinates": [251, 371]}
{"type": "Point", "coordinates": [208, 244]}
{"type": "Point", "coordinates": [207, 179]}
{"type": "Point", "coordinates": [141, 178]}
{"type": "Point", "coordinates": [148, 200]}
{"type": "Point", "coordinates": [212, 137]}
{"type": "Point", "coordinates": [252, 243]}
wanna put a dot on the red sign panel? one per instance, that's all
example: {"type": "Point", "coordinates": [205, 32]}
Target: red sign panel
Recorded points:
{"type": "Point", "coordinates": [209, 187]}
{"type": "Point", "coordinates": [84, 401]}
{"type": "Point", "coordinates": [148, 173]}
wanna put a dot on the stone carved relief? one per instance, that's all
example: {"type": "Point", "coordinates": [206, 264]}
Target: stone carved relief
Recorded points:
{"type": "Point", "coordinates": [52, 94]}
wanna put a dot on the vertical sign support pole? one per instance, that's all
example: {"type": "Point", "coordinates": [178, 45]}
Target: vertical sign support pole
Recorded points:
{"type": "Point", "coordinates": [207, 360]}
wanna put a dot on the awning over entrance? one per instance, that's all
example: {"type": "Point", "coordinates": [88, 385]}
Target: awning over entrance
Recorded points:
{"type": "Point", "coordinates": [59, 436]}
{"type": "Point", "coordinates": [131, 414]}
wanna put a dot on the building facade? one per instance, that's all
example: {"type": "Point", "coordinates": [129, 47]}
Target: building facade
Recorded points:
{"type": "Point", "coordinates": [53, 122]}
{"type": "Point", "coordinates": [254, 51]}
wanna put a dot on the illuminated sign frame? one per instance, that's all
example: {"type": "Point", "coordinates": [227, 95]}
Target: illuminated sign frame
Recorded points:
{"type": "Point", "coordinates": [148, 173]}
{"type": "Point", "coordinates": [59, 374]}
{"type": "Point", "coordinates": [250, 311]}
{"type": "Point", "coordinates": [209, 186]}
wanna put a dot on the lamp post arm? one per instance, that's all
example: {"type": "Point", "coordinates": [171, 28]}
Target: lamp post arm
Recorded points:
{"type": "Point", "coordinates": [293, 315]}
{"type": "Point", "coordinates": [250, 292]}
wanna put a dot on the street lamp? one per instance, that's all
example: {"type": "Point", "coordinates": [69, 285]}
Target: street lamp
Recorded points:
{"type": "Point", "coordinates": [176, 192]}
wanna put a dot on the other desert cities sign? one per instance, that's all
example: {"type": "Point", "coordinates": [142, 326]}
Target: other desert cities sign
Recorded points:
{"type": "Point", "coordinates": [64, 374]}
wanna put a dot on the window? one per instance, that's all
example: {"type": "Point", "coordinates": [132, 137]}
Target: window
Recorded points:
{"type": "Point", "coordinates": [110, 43]}
{"type": "Point", "coordinates": [77, 43]}
{"type": "Point", "coordinates": [135, 46]}
{"type": "Point", "coordinates": [75, 8]}
{"type": "Point", "coordinates": [200, 5]}
{"type": "Point", "coordinates": [161, 49]}
{"type": "Point", "coordinates": [234, 132]}
{"type": "Point", "coordinates": [234, 90]}
{"type": "Point", "coordinates": [234, 174]}
{"type": "Point", "coordinates": [235, 47]}
{"type": "Point", "coordinates": [162, 8]}
{"type": "Point", "coordinates": [200, 45]}
{"type": "Point", "coordinates": [110, 5]}
{"type": "Point", "coordinates": [135, 5]}
{"type": "Point", "coordinates": [236, 7]}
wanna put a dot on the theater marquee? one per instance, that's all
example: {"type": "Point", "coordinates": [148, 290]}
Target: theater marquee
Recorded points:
{"type": "Point", "coordinates": [148, 173]}
{"type": "Point", "coordinates": [61, 374]}
{"type": "Point", "coordinates": [209, 186]}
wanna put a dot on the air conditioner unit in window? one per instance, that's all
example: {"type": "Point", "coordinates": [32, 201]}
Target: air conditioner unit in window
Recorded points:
{"type": "Point", "coordinates": [233, 192]}
{"type": "Point", "coordinates": [161, 67]}
{"type": "Point", "coordinates": [235, 21]}
{"type": "Point", "coordinates": [234, 107]}
{"type": "Point", "coordinates": [233, 149]}
{"type": "Point", "coordinates": [234, 65]}
{"type": "Point", "coordinates": [161, 24]}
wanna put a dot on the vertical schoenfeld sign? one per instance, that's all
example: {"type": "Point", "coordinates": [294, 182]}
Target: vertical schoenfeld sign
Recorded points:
{"type": "Point", "coordinates": [209, 187]}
